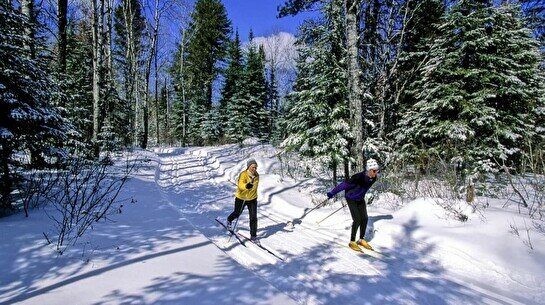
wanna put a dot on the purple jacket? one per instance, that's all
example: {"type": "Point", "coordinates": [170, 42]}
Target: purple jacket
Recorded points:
{"type": "Point", "coordinates": [356, 187]}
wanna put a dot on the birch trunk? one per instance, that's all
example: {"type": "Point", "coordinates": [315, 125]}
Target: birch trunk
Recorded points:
{"type": "Point", "coordinates": [156, 76]}
{"type": "Point", "coordinates": [352, 8]}
{"type": "Point", "coordinates": [27, 9]}
{"type": "Point", "coordinates": [98, 46]}
{"type": "Point", "coordinates": [154, 37]}
{"type": "Point", "coordinates": [108, 43]}
{"type": "Point", "coordinates": [131, 79]}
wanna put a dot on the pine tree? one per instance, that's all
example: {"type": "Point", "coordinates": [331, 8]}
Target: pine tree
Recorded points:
{"type": "Point", "coordinates": [317, 119]}
{"type": "Point", "coordinates": [247, 116]}
{"type": "Point", "coordinates": [232, 81]}
{"type": "Point", "coordinates": [79, 81]}
{"type": "Point", "coordinates": [256, 86]}
{"type": "Point", "coordinates": [419, 34]}
{"type": "Point", "coordinates": [178, 120]}
{"type": "Point", "coordinates": [211, 129]}
{"type": "Point", "coordinates": [27, 122]}
{"type": "Point", "coordinates": [478, 91]}
{"type": "Point", "coordinates": [280, 53]}
{"type": "Point", "coordinates": [209, 34]}
{"type": "Point", "coordinates": [164, 120]}
{"type": "Point", "coordinates": [238, 125]}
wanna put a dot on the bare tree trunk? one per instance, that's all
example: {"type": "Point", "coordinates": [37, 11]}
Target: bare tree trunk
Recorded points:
{"type": "Point", "coordinates": [156, 76]}
{"type": "Point", "coordinates": [7, 184]}
{"type": "Point", "coordinates": [388, 68]}
{"type": "Point", "coordinates": [27, 9]}
{"type": "Point", "coordinates": [62, 21]}
{"type": "Point", "coordinates": [136, 99]}
{"type": "Point", "coordinates": [346, 169]}
{"type": "Point", "coordinates": [183, 86]}
{"type": "Point", "coordinates": [150, 58]}
{"type": "Point", "coordinates": [334, 170]}
{"type": "Point", "coordinates": [167, 119]}
{"type": "Point", "coordinates": [29, 45]}
{"type": "Point", "coordinates": [354, 84]}
{"type": "Point", "coordinates": [382, 62]}
{"type": "Point", "coordinates": [62, 9]}
{"type": "Point", "coordinates": [109, 78]}
{"type": "Point", "coordinates": [98, 45]}
{"type": "Point", "coordinates": [131, 79]}
{"type": "Point", "coordinates": [108, 43]}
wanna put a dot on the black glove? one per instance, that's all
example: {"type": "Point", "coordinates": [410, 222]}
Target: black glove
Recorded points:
{"type": "Point", "coordinates": [249, 185]}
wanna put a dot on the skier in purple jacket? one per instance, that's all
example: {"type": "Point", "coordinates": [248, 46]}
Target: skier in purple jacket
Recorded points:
{"type": "Point", "coordinates": [354, 192]}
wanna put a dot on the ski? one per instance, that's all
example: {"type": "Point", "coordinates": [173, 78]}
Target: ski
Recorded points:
{"type": "Point", "coordinates": [261, 246]}
{"type": "Point", "coordinates": [232, 232]}
{"type": "Point", "coordinates": [243, 238]}
{"type": "Point", "coordinates": [364, 251]}
{"type": "Point", "coordinates": [357, 251]}
{"type": "Point", "coordinates": [377, 252]}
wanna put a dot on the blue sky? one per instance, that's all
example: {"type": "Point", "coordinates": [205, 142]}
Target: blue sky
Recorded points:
{"type": "Point", "coordinates": [260, 16]}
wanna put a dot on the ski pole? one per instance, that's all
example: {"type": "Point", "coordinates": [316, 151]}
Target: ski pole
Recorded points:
{"type": "Point", "coordinates": [314, 208]}
{"type": "Point", "coordinates": [318, 222]}
{"type": "Point", "coordinates": [236, 222]}
{"type": "Point", "coordinates": [290, 222]}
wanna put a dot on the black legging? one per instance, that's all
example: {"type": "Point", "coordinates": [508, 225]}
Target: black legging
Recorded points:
{"type": "Point", "coordinates": [358, 211]}
{"type": "Point", "coordinates": [252, 210]}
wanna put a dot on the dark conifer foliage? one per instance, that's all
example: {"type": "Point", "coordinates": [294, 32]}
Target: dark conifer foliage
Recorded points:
{"type": "Point", "coordinates": [477, 93]}
{"type": "Point", "coordinates": [129, 27]}
{"type": "Point", "coordinates": [256, 94]}
{"type": "Point", "coordinates": [208, 37]}
{"type": "Point", "coordinates": [27, 122]}
{"type": "Point", "coordinates": [232, 84]}
{"type": "Point", "coordinates": [317, 120]}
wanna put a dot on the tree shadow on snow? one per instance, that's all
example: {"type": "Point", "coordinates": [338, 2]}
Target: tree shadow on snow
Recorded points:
{"type": "Point", "coordinates": [408, 275]}
{"type": "Point", "coordinates": [322, 274]}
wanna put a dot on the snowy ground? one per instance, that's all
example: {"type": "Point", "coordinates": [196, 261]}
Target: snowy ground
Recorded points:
{"type": "Point", "coordinates": [167, 249]}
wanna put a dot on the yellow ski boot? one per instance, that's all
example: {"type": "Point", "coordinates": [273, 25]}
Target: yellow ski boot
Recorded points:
{"type": "Point", "coordinates": [364, 244]}
{"type": "Point", "coordinates": [354, 246]}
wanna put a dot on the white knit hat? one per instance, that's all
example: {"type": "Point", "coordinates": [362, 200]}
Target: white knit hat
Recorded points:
{"type": "Point", "coordinates": [372, 164]}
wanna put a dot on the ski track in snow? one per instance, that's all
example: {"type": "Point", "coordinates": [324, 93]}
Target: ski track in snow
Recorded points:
{"type": "Point", "coordinates": [318, 267]}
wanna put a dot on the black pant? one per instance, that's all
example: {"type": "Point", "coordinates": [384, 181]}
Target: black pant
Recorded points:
{"type": "Point", "coordinates": [252, 210]}
{"type": "Point", "coordinates": [358, 211]}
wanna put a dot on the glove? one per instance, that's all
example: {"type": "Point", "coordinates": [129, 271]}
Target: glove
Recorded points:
{"type": "Point", "coordinates": [249, 185]}
{"type": "Point", "coordinates": [330, 195]}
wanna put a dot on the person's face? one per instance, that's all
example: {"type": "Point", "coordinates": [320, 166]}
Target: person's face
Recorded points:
{"type": "Point", "coordinates": [372, 173]}
{"type": "Point", "coordinates": [253, 169]}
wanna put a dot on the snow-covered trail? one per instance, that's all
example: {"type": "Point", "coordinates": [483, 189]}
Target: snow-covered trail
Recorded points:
{"type": "Point", "coordinates": [148, 254]}
{"type": "Point", "coordinates": [318, 267]}
{"type": "Point", "coordinates": [166, 248]}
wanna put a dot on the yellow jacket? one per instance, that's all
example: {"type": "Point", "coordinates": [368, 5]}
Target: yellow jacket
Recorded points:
{"type": "Point", "coordinates": [244, 193]}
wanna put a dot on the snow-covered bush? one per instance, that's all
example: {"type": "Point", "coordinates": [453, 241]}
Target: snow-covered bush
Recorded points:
{"type": "Point", "coordinates": [75, 197]}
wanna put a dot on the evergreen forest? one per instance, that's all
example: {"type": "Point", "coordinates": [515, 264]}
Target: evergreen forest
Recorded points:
{"type": "Point", "coordinates": [451, 89]}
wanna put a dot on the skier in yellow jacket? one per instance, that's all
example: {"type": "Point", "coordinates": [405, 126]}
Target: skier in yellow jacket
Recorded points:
{"type": "Point", "coordinates": [246, 195]}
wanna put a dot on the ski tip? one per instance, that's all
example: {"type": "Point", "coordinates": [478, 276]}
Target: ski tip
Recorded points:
{"type": "Point", "coordinates": [289, 226]}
